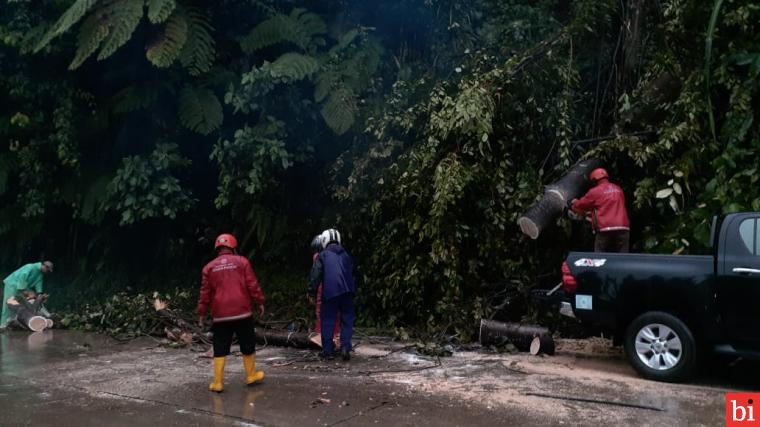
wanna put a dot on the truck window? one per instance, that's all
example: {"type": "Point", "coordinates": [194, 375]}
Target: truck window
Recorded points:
{"type": "Point", "coordinates": [748, 231]}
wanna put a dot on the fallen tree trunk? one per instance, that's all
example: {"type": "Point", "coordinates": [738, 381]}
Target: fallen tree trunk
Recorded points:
{"type": "Point", "coordinates": [284, 339]}
{"type": "Point", "coordinates": [497, 333]}
{"type": "Point", "coordinates": [571, 186]}
{"type": "Point", "coordinates": [542, 344]}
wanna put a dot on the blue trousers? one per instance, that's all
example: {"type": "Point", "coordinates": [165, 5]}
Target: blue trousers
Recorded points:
{"type": "Point", "coordinates": [330, 308]}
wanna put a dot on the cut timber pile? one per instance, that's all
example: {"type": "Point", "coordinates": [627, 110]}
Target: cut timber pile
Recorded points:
{"type": "Point", "coordinates": [523, 337]}
{"type": "Point", "coordinates": [556, 196]}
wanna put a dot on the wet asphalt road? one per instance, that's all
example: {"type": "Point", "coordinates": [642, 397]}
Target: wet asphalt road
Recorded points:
{"type": "Point", "coordinates": [67, 378]}
{"type": "Point", "coordinates": [62, 378]}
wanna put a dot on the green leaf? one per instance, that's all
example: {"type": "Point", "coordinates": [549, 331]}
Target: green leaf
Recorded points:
{"type": "Point", "coordinates": [301, 28]}
{"type": "Point", "coordinates": [732, 208]}
{"type": "Point", "coordinates": [165, 50]}
{"type": "Point", "coordinates": [199, 52]}
{"type": "Point", "coordinates": [200, 110]}
{"type": "Point", "coordinates": [160, 10]}
{"type": "Point", "coordinates": [338, 111]}
{"type": "Point", "coordinates": [664, 193]}
{"type": "Point", "coordinates": [69, 18]}
{"type": "Point", "coordinates": [294, 66]}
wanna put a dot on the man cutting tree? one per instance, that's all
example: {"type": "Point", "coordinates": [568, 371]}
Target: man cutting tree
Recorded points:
{"type": "Point", "coordinates": [604, 206]}
{"type": "Point", "coordinates": [26, 279]}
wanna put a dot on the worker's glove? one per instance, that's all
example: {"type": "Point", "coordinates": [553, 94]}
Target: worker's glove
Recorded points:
{"type": "Point", "coordinates": [574, 216]}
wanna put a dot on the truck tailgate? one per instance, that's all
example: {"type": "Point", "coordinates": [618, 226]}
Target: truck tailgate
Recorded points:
{"type": "Point", "coordinates": [613, 287]}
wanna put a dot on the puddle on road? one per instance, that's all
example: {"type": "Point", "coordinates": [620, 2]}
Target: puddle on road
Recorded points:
{"type": "Point", "coordinates": [20, 350]}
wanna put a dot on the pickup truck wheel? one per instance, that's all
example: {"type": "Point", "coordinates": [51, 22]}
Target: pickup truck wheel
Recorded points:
{"type": "Point", "coordinates": [661, 347]}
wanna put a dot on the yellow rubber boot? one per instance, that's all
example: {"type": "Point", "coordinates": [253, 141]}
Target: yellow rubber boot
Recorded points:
{"type": "Point", "coordinates": [217, 385]}
{"type": "Point", "coordinates": [251, 374]}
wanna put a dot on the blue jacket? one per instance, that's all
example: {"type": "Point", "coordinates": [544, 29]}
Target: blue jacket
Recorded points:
{"type": "Point", "coordinates": [334, 268]}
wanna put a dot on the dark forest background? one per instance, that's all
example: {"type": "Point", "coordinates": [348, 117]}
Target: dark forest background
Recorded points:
{"type": "Point", "coordinates": [134, 131]}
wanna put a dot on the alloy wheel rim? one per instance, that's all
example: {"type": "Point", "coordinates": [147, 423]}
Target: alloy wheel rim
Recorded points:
{"type": "Point", "coordinates": [658, 347]}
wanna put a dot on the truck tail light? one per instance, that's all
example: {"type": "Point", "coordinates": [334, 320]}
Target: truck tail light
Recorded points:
{"type": "Point", "coordinates": [569, 284]}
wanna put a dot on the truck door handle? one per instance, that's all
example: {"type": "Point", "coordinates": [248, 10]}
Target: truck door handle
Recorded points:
{"type": "Point", "coordinates": [743, 270]}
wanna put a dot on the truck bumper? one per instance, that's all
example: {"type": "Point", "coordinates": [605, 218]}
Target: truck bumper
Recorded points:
{"type": "Point", "coordinates": [566, 309]}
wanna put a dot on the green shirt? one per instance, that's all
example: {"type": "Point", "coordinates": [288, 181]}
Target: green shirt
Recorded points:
{"type": "Point", "coordinates": [28, 277]}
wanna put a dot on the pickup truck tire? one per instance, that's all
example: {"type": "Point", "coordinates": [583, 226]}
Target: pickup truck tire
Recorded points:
{"type": "Point", "coordinates": [661, 347]}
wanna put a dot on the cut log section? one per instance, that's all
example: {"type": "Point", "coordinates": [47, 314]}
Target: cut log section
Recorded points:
{"type": "Point", "coordinates": [556, 196]}
{"type": "Point", "coordinates": [30, 320]}
{"type": "Point", "coordinates": [497, 333]}
{"type": "Point", "coordinates": [543, 344]}
{"type": "Point", "coordinates": [26, 313]}
{"type": "Point", "coordinates": [285, 339]}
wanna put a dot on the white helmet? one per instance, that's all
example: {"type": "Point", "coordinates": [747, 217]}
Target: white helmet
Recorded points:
{"type": "Point", "coordinates": [330, 236]}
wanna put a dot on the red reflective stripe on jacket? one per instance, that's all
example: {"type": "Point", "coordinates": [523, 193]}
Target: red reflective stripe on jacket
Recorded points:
{"type": "Point", "coordinates": [606, 205]}
{"type": "Point", "coordinates": [229, 287]}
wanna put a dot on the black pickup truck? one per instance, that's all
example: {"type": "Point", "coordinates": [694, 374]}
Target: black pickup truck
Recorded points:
{"type": "Point", "coordinates": [669, 310]}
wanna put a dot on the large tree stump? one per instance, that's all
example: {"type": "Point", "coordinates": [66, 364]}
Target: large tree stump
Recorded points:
{"type": "Point", "coordinates": [556, 196]}
{"type": "Point", "coordinates": [497, 333]}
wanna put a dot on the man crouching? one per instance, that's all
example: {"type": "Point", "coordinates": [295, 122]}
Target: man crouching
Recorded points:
{"type": "Point", "coordinates": [230, 286]}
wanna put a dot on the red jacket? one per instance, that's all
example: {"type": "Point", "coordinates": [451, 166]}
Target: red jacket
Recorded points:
{"type": "Point", "coordinates": [229, 286]}
{"type": "Point", "coordinates": [605, 203]}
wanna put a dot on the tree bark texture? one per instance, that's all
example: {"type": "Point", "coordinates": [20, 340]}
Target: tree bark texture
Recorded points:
{"type": "Point", "coordinates": [497, 333]}
{"type": "Point", "coordinates": [556, 196]}
{"type": "Point", "coordinates": [284, 339]}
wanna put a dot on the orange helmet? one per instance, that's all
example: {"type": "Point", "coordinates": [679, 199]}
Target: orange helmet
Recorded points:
{"type": "Point", "coordinates": [598, 174]}
{"type": "Point", "coordinates": [225, 240]}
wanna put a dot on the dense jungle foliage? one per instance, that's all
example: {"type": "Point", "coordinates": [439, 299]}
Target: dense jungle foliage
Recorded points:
{"type": "Point", "coordinates": [134, 131]}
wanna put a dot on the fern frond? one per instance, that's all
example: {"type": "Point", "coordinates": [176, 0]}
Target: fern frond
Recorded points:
{"type": "Point", "coordinates": [345, 40]}
{"type": "Point", "coordinates": [323, 83]}
{"type": "Point", "coordinates": [339, 110]}
{"type": "Point", "coordinates": [301, 28]}
{"type": "Point", "coordinates": [160, 10]}
{"type": "Point", "coordinates": [124, 17]}
{"type": "Point", "coordinates": [264, 8]}
{"type": "Point", "coordinates": [69, 18]}
{"type": "Point", "coordinates": [167, 48]}
{"type": "Point", "coordinates": [294, 66]}
{"type": "Point", "coordinates": [107, 28]}
{"type": "Point", "coordinates": [359, 68]}
{"type": "Point", "coordinates": [134, 98]}
{"type": "Point", "coordinates": [92, 32]}
{"type": "Point", "coordinates": [32, 38]}
{"type": "Point", "coordinates": [200, 110]}
{"type": "Point", "coordinates": [199, 51]}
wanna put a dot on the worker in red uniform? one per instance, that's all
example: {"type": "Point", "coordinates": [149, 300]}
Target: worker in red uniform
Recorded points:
{"type": "Point", "coordinates": [604, 204]}
{"type": "Point", "coordinates": [316, 247]}
{"type": "Point", "coordinates": [230, 288]}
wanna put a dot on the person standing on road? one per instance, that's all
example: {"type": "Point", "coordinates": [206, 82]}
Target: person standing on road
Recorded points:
{"type": "Point", "coordinates": [26, 279]}
{"type": "Point", "coordinates": [604, 204]}
{"type": "Point", "coordinates": [334, 269]}
{"type": "Point", "coordinates": [230, 288]}
{"type": "Point", "coordinates": [316, 247]}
